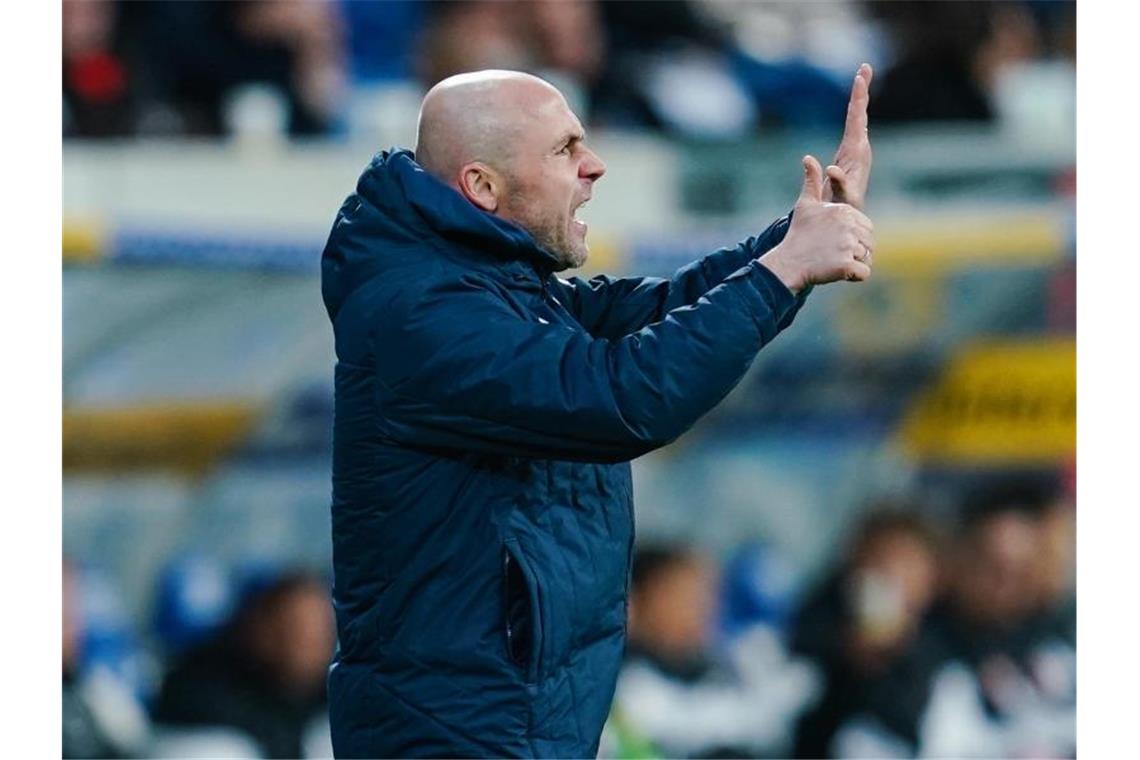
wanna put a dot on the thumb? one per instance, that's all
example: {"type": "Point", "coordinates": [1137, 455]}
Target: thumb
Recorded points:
{"type": "Point", "coordinates": [812, 191]}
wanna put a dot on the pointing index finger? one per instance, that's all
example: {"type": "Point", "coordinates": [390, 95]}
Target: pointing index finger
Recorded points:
{"type": "Point", "coordinates": [857, 105]}
{"type": "Point", "coordinates": [866, 72]}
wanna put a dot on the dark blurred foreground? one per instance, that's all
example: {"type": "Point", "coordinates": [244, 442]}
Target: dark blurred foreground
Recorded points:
{"type": "Point", "coordinates": [930, 636]}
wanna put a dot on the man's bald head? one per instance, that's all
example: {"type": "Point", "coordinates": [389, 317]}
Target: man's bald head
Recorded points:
{"type": "Point", "coordinates": [479, 116]}
{"type": "Point", "coordinates": [509, 143]}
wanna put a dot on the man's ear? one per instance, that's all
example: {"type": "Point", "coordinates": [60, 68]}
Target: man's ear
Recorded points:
{"type": "Point", "coordinates": [481, 185]}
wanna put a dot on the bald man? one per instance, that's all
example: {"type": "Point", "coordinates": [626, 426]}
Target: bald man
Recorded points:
{"type": "Point", "coordinates": [487, 411]}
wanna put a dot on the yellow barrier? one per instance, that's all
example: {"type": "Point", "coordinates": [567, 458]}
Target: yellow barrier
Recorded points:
{"type": "Point", "coordinates": [999, 402]}
{"type": "Point", "coordinates": [927, 245]}
{"type": "Point", "coordinates": [934, 245]}
{"type": "Point", "coordinates": [83, 241]}
{"type": "Point", "coordinates": [182, 436]}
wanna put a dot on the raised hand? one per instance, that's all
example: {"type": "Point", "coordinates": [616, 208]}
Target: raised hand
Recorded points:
{"type": "Point", "coordinates": [826, 241]}
{"type": "Point", "coordinates": [850, 170]}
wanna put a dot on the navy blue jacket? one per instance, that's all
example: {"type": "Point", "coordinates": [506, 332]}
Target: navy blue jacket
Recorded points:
{"type": "Point", "coordinates": [486, 413]}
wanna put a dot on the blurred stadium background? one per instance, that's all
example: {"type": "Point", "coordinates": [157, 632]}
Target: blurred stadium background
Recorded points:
{"type": "Point", "coordinates": [867, 550]}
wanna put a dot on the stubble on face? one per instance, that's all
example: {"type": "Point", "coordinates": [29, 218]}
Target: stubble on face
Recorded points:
{"type": "Point", "coordinates": [509, 122]}
{"type": "Point", "coordinates": [549, 227]}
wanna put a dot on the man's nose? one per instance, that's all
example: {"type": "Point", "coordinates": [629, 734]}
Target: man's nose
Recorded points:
{"type": "Point", "coordinates": [592, 167]}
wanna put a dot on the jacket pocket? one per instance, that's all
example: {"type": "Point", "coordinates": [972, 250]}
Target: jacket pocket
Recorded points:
{"type": "Point", "coordinates": [522, 621]}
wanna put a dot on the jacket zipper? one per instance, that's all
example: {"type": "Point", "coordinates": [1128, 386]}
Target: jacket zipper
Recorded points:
{"type": "Point", "coordinates": [541, 281]}
{"type": "Point", "coordinates": [507, 575]}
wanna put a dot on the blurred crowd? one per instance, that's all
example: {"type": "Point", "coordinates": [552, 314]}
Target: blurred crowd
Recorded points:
{"type": "Point", "coordinates": [234, 665]}
{"type": "Point", "coordinates": [702, 69]}
{"type": "Point", "coordinates": [935, 633]}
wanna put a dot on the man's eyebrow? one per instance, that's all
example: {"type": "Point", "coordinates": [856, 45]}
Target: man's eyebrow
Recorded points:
{"type": "Point", "coordinates": [570, 136]}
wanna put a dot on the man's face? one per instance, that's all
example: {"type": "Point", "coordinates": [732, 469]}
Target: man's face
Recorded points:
{"type": "Point", "coordinates": [550, 174]}
{"type": "Point", "coordinates": [996, 573]}
{"type": "Point", "coordinates": [893, 584]}
{"type": "Point", "coordinates": [296, 637]}
{"type": "Point", "coordinates": [671, 614]}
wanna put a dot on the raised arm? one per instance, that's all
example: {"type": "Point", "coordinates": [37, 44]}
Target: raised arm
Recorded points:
{"type": "Point", "coordinates": [464, 370]}
{"type": "Point", "coordinates": [609, 307]}
{"type": "Point", "coordinates": [613, 307]}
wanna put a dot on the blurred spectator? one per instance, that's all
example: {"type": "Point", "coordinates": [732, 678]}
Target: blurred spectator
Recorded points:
{"type": "Point", "coordinates": [681, 67]}
{"type": "Point", "coordinates": [659, 64]}
{"type": "Point", "coordinates": [381, 38]}
{"type": "Point", "coordinates": [863, 626]}
{"type": "Point", "coordinates": [561, 40]}
{"type": "Point", "coordinates": [100, 716]}
{"type": "Point", "coordinates": [678, 697]}
{"type": "Point", "coordinates": [1058, 24]}
{"type": "Point", "coordinates": [570, 38]}
{"type": "Point", "coordinates": [759, 586]}
{"type": "Point", "coordinates": [1008, 621]}
{"type": "Point", "coordinates": [671, 607]}
{"type": "Point", "coordinates": [468, 35]}
{"type": "Point", "coordinates": [667, 68]}
{"type": "Point", "coordinates": [1056, 569]}
{"type": "Point", "coordinates": [834, 36]}
{"type": "Point", "coordinates": [706, 69]}
{"type": "Point", "coordinates": [97, 97]}
{"type": "Point", "coordinates": [206, 68]}
{"type": "Point", "coordinates": [1003, 569]}
{"type": "Point", "coordinates": [263, 674]}
{"type": "Point", "coordinates": [195, 598]}
{"type": "Point", "coordinates": [949, 58]}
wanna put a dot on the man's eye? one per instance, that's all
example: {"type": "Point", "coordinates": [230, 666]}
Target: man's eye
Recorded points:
{"type": "Point", "coordinates": [565, 149]}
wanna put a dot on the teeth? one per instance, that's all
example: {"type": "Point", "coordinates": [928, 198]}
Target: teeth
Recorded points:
{"type": "Point", "coordinates": [578, 208]}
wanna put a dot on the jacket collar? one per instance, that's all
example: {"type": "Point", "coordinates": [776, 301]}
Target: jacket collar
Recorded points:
{"type": "Point", "coordinates": [429, 203]}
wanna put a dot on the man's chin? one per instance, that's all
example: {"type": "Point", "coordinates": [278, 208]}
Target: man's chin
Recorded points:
{"type": "Point", "coordinates": [574, 259]}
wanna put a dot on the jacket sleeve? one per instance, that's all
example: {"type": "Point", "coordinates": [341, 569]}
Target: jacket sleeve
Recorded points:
{"type": "Point", "coordinates": [611, 307]}
{"type": "Point", "coordinates": [458, 368]}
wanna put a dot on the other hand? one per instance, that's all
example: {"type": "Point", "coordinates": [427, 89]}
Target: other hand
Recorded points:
{"type": "Point", "coordinates": [826, 241]}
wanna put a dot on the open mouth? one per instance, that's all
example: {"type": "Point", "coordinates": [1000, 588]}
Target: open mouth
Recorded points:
{"type": "Point", "coordinates": [574, 218]}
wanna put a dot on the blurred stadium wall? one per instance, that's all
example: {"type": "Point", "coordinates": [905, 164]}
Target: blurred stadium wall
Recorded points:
{"type": "Point", "coordinates": [197, 356]}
